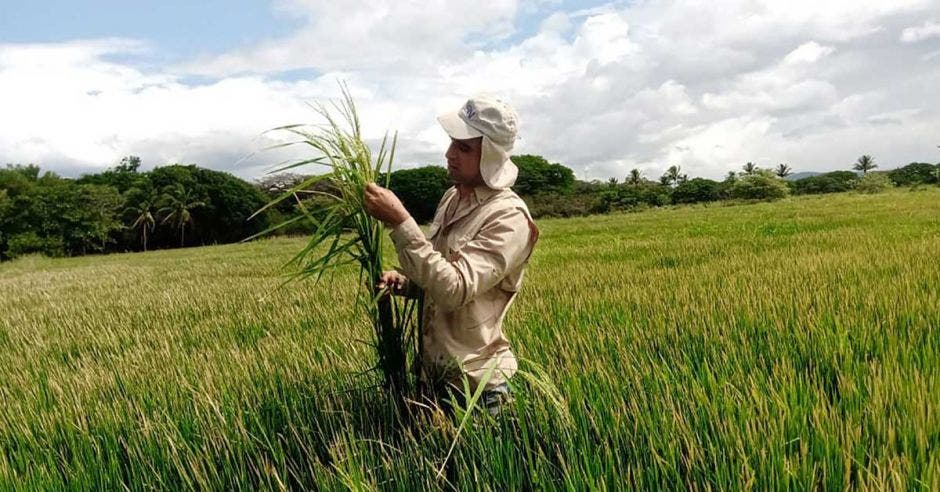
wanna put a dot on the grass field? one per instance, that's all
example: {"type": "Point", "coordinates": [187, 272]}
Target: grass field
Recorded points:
{"type": "Point", "coordinates": [777, 345]}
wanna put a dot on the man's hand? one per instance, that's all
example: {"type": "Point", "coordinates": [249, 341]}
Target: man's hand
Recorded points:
{"type": "Point", "coordinates": [382, 204]}
{"type": "Point", "coordinates": [394, 281]}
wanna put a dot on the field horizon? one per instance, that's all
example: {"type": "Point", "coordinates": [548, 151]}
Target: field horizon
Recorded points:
{"type": "Point", "coordinates": [789, 344]}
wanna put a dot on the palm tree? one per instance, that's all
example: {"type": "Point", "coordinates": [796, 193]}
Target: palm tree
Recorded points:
{"type": "Point", "coordinates": [612, 182]}
{"type": "Point", "coordinates": [732, 177]}
{"type": "Point", "coordinates": [145, 217]}
{"type": "Point", "coordinates": [178, 209]}
{"type": "Point", "coordinates": [783, 170]}
{"type": "Point", "coordinates": [672, 176]}
{"type": "Point", "coordinates": [750, 168]}
{"type": "Point", "coordinates": [864, 164]}
{"type": "Point", "coordinates": [635, 177]}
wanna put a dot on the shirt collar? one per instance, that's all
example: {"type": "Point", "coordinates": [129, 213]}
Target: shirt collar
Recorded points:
{"type": "Point", "coordinates": [483, 192]}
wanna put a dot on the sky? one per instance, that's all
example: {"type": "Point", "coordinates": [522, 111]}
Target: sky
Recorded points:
{"type": "Point", "coordinates": [599, 87]}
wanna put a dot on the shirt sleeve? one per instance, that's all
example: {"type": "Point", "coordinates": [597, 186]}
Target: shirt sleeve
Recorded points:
{"type": "Point", "coordinates": [501, 246]}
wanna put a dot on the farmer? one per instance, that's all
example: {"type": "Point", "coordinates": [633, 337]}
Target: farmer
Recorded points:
{"type": "Point", "coordinates": [471, 262]}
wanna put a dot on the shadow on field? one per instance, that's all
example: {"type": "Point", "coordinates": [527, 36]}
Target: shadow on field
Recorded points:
{"type": "Point", "coordinates": [319, 434]}
{"type": "Point", "coordinates": [326, 438]}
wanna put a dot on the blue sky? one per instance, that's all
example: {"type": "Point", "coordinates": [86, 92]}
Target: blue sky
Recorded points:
{"type": "Point", "coordinates": [602, 87]}
{"type": "Point", "coordinates": [178, 28]}
{"type": "Point", "coordinates": [181, 29]}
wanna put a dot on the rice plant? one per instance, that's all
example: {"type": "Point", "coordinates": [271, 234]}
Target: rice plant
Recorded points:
{"type": "Point", "coordinates": [786, 345]}
{"type": "Point", "coordinates": [345, 233]}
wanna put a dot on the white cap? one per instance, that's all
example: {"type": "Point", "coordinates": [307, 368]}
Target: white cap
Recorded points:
{"type": "Point", "coordinates": [495, 121]}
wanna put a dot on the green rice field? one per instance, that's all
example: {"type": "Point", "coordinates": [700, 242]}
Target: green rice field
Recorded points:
{"type": "Point", "coordinates": [786, 345]}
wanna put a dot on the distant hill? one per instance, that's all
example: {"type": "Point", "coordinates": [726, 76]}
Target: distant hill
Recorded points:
{"type": "Point", "coordinates": [804, 174]}
{"type": "Point", "coordinates": [807, 174]}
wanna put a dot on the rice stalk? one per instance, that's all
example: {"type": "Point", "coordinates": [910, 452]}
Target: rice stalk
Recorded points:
{"type": "Point", "coordinates": [348, 233]}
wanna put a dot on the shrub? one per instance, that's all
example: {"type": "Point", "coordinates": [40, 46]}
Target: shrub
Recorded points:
{"type": "Point", "coordinates": [29, 242]}
{"type": "Point", "coordinates": [914, 173]}
{"type": "Point", "coordinates": [874, 183]}
{"type": "Point", "coordinates": [632, 197]}
{"type": "Point", "coordinates": [761, 185]}
{"type": "Point", "coordinates": [834, 182]}
{"type": "Point", "coordinates": [537, 175]}
{"type": "Point", "coordinates": [555, 205]}
{"type": "Point", "coordinates": [696, 190]}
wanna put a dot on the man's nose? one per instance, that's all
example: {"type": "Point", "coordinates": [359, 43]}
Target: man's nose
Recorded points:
{"type": "Point", "coordinates": [449, 154]}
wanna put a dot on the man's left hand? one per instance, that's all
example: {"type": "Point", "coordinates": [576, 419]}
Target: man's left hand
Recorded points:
{"type": "Point", "coordinates": [382, 204]}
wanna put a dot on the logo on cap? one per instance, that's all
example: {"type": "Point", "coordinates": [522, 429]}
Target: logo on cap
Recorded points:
{"type": "Point", "coordinates": [470, 110]}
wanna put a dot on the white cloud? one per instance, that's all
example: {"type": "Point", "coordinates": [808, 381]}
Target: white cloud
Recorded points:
{"type": "Point", "coordinates": [412, 35]}
{"type": "Point", "coordinates": [929, 29]}
{"type": "Point", "coordinates": [810, 52]}
{"type": "Point", "coordinates": [707, 86]}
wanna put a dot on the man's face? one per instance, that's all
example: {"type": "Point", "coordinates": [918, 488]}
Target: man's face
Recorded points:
{"type": "Point", "coordinates": [463, 161]}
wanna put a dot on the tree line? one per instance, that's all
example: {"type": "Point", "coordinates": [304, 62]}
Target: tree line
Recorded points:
{"type": "Point", "coordinates": [123, 209]}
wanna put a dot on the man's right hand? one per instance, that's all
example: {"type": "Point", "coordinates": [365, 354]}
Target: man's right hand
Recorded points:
{"type": "Point", "coordinates": [395, 282]}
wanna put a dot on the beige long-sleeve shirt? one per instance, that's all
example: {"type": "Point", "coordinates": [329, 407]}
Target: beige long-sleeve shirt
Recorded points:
{"type": "Point", "coordinates": [470, 265]}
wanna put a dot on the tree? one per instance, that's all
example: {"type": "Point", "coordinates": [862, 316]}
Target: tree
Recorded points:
{"type": "Point", "coordinates": [914, 173]}
{"type": "Point", "coordinates": [783, 170]}
{"type": "Point", "coordinates": [122, 177]}
{"type": "Point", "coordinates": [874, 183]}
{"type": "Point", "coordinates": [759, 185]}
{"type": "Point", "coordinates": [97, 218]}
{"type": "Point", "coordinates": [635, 178]}
{"type": "Point", "coordinates": [179, 204]}
{"type": "Point", "coordinates": [537, 175]}
{"type": "Point", "coordinates": [612, 182]}
{"type": "Point", "coordinates": [696, 190]}
{"type": "Point", "coordinates": [144, 217]}
{"type": "Point", "coordinates": [750, 168]}
{"type": "Point", "coordinates": [420, 189]}
{"type": "Point", "coordinates": [864, 164]}
{"type": "Point", "coordinates": [128, 164]}
{"type": "Point", "coordinates": [673, 176]}
{"type": "Point", "coordinates": [833, 182]}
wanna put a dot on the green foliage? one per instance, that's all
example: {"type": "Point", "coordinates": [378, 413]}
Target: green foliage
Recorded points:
{"type": "Point", "coordinates": [177, 205]}
{"type": "Point", "coordinates": [227, 203]}
{"type": "Point", "coordinates": [420, 189]}
{"type": "Point", "coordinates": [537, 175]}
{"type": "Point", "coordinates": [29, 242]}
{"type": "Point", "coordinates": [915, 173]}
{"type": "Point", "coordinates": [874, 183]}
{"type": "Point", "coordinates": [864, 164]}
{"type": "Point", "coordinates": [697, 190]}
{"type": "Point", "coordinates": [707, 348]}
{"type": "Point", "coordinates": [122, 177]}
{"type": "Point", "coordinates": [555, 205]}
{"type": "Point", "coordinates": [759, 185]}
{"type": "Point", "coordinates": [347, 234]}
{"type": "Point", "coordinates": [629, 197]}
{"type": "Point", "coordinates": [60, 215]}
{"type": "Point", "coordinates": [107, 211]}
{"type": "Point", "coordinates": [834, 182]}
{"type": "Point", "coordinates": [673, 176]}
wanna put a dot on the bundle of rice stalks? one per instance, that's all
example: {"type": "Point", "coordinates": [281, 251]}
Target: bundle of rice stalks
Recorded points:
{"type": "Point", "coordinates": [348, 233]}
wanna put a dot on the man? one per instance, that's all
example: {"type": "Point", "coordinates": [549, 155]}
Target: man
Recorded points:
{"type": "Point", "coordinates": [471, 262]}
